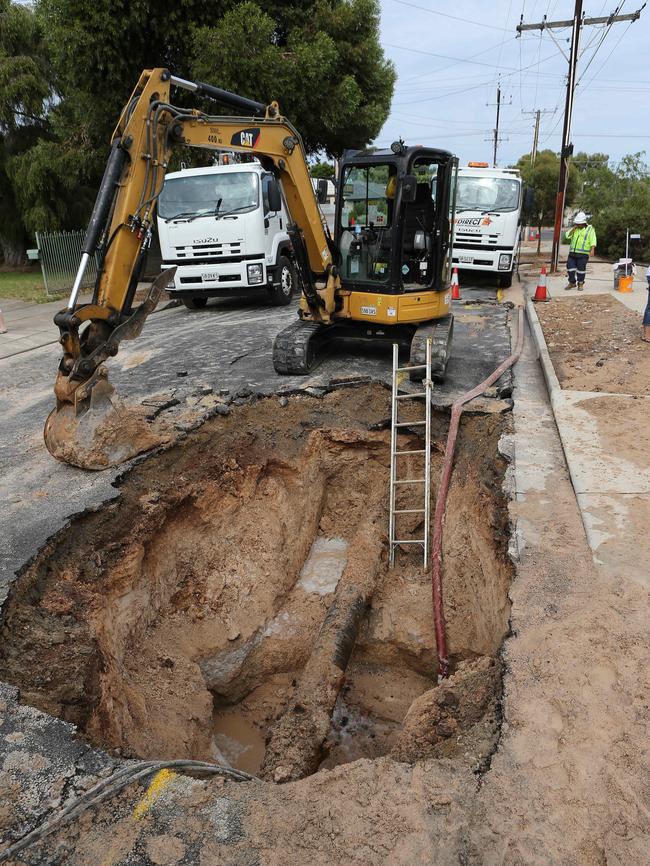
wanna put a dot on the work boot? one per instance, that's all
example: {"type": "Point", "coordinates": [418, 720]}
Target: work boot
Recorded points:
{"type": "Point", "coordinates": [581, 287]}
{"type": "Point", "coordinates": [569, 286]}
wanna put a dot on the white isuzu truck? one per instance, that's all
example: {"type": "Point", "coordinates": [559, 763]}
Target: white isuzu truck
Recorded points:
{"type": "Point", "coordinates": [225, 229]}
{"type": "Point", "coordinates": [488, 220]}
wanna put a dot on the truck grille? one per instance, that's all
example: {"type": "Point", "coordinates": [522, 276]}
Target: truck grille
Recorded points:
{"type": "Point", "coordinates": [467, 240]}
{"type": "Point", "coordinates": [206, 251]}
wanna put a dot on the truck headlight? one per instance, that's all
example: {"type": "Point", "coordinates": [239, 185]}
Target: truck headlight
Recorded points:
{"type": "Point", "coordinates": [504, 261]}
{"type": "Point", "coordinates": [255, 274]}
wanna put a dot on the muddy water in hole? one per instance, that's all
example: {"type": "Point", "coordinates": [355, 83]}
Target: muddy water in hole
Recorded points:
{"type": "Point", "coordinates": [239, 736]}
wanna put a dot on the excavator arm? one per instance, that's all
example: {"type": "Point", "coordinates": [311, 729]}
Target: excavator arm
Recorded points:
{"type": "Point", "coordinates": [119, 234]}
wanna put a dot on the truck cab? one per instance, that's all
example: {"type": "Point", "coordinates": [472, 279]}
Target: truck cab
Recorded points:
{"type": "Point", "coordinates": [224, 227]}
{"type": "Point", "coordinates": [488, 220]}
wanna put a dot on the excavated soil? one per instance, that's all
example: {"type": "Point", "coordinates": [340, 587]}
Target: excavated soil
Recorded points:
{"type": "Point", "coordinates": [177, 620]}
{"type": "Point", "coordinates": [595, 345]}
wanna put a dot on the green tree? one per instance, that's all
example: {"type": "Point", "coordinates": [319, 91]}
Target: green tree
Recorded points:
{"type": "Point", "coordinates": [322, 169]}
{"type": "Point", "coordinates": [321, 59]}
{"type": "Point", "coordinates": [618, 198]}
{"type": "Point", "coordinates": [324, 65]}
{"type": "Point", "coordinates": [25, 94]}
{"type": "Point", "coordinates": [542, 178]}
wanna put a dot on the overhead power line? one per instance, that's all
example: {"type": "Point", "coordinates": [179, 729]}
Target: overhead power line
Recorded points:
{"type": "Point", "coordinates": [447, 15]}
{"type": "Point", "coordinates": [577, 23]}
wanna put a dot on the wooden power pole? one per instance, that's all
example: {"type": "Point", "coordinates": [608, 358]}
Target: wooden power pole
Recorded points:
{"type": "Point", "coordinates": [538, 114]}
{"type": "Point", "coordinates": [576, 24]}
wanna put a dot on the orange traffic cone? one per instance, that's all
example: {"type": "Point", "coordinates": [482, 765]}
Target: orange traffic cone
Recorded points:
{"type": "Point", "coordinates": [455, 287]}
{"type": "Point", "coordinates": [540, 291]}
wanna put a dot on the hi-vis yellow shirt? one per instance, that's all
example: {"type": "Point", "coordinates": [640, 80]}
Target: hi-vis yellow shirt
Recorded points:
{"type": "Point", "coordinates": [582, 240]}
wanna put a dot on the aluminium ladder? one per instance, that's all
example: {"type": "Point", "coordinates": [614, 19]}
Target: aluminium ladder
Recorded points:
{"type": "Point", "coordinates": [423, 482]}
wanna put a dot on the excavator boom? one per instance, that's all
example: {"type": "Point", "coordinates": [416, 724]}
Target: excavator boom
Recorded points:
{"type": "Point", "coordinates": [82, 429]}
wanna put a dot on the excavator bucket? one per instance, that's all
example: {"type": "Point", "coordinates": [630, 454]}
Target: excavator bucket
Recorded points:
{"type": "Point", "coordinates": [90, 427]}
{"type": "Point", "coordinates": [100, 431]}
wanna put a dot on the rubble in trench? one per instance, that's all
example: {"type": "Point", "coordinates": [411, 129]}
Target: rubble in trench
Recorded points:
{"type": "Point", "coordinates": [182, 619]}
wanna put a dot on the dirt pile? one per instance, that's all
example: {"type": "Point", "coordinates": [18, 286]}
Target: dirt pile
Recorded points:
{"type": "Point", "coordinates": [180, 619]}
{"type": "Point", "coordinates": [595, 345]}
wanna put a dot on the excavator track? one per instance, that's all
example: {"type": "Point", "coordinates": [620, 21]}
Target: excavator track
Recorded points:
{"type": "Point", "coordinates": [296, 349]}
{"type": "Point", "coordinates": [440, 332]}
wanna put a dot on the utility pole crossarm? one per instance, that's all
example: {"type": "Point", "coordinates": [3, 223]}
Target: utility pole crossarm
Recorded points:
{"type": "Point", "coordinates": [555, 25]}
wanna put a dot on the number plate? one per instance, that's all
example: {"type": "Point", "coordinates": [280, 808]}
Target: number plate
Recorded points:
{"type": "Point", "coordinates": [368, 311]}
{"type": "Point", "coordinates": [208, 278]}
{"type": "Point", "coordinates": [466, 260]}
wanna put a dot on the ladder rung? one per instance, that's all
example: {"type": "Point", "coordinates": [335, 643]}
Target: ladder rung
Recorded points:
{"type": "Point", "coordinates": [409, 423]}
{"type": "Point", "coordinates": [409, 511]}
{"type": "Point", "coordinates": [411, 481]}
{"type": "Point", "coordinates": [416, 451]}
{"type": "Point", "coordinates": [408, 369]}
{"type": "Point", "coordinates": [410, 396]}
{"type": "Point", "coordinates": [408, 541]}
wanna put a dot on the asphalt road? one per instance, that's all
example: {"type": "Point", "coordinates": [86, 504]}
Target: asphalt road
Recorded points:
{"type": "Point", "coordinates": [227, 345]}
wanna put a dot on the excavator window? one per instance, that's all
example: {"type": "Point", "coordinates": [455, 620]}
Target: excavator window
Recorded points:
{"type": "Point", "coordinates": [418, 248]}
{"type": "Point", "coordinates": [366, 222]}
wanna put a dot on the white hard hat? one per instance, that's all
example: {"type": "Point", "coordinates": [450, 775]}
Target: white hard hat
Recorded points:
{"type": "Point", "coordinates": [579, 218]}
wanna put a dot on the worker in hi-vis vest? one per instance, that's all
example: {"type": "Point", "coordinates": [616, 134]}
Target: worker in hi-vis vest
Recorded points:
{"type": "Point", "coordinates": [582, 238]}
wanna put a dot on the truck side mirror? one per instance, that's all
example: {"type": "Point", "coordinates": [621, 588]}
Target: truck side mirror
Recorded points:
{"type": "Point", "coordinates": [409, 188]}
{"type": "Point", "coordinates": [274, 197]}
{"type": "Point", "coordinates": [529, 199]}
{"type": "Point", "coordinates": [321, 190]}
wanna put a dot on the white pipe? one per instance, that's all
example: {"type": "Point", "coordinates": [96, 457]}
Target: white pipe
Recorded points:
{"type": "Point", "coordinates": [85, 258]}
{"type": "Point", "coordinates": [184, 83]}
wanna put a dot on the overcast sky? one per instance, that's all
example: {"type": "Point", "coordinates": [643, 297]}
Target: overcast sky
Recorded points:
{"type": "Point", "coordinates": [442, 102]}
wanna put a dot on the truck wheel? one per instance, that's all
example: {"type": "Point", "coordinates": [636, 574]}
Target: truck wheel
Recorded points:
{"type": "Point", "coordinates": [286, 276]}
{"type": "Point", "coordinates": [196, 303]}
{"type": "Point", "coordinates": [505, 280]}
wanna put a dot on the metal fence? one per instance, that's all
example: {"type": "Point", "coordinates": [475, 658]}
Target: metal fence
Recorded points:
{"type": "Point", "coordinates": [59, 254]}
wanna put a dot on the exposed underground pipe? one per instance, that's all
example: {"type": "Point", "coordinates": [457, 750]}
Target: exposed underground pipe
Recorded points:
{"type": "Point", "coordinates": [294, 749]}
{"type": "Point", "coordinates": [443, 490]}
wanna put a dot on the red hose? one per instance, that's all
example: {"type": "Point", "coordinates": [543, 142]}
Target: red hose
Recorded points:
{"type": "Point", "coordinates": [443, 490]}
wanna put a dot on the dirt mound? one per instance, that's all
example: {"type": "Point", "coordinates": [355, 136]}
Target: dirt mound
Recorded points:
{"type": "Point", "coordinates": [595, 345]}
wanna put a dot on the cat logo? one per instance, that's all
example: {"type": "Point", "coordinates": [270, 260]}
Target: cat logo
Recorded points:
{"type": "Point", "coordinates": [246, 137]}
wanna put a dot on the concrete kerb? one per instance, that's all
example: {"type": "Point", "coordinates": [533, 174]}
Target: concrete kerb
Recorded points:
{"type": "Point", "coordinates": [557, 400]}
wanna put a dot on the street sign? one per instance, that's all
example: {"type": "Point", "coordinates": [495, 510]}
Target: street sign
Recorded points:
{"type": "Point", "coordinates": [635, 237]}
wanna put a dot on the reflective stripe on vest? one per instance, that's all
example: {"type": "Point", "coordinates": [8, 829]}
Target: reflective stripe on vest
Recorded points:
{"type": "Point", "coordinates": [579, 240]}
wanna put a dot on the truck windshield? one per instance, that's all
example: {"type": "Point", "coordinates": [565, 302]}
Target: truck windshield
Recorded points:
{"type": "Point", "coordinates": [487, 193]}
{"type": "Point", "coordinates": [204, 194]}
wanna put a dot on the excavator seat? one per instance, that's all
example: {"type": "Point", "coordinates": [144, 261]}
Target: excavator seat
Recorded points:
{"type": "Point", "coordinates": [420, 216]}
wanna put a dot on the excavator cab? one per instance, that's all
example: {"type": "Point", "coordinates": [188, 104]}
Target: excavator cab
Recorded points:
{"type": "Point", "coordinates": [392, 241]}
{"type": "Point", "coordinates": [393, 225]}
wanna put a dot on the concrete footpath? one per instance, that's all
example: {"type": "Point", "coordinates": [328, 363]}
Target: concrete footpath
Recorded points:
{"type": "Point", "coordinates": [608, 464]}
{"type": "Point", "coordinates": [29, 325]}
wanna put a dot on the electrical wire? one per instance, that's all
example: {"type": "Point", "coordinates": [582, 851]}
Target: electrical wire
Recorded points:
{"type": "Point", "coordinates": [113, 785]}
{"type": "Point", "coordinates": [447, 15]}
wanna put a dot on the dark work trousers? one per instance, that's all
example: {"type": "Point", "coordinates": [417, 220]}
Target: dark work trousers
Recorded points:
{"type": "Point", "coordinates": [646, 315]}
{"type": "Point", "coordinates": [576, 266]}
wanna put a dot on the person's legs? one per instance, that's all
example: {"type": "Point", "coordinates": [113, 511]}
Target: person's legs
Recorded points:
{"type": "Point", "coordinates": [581, 270]}
{"type": "Point", "coordinates": [646, 318]}
{"type": "Point", "coordinates": [571, 268]}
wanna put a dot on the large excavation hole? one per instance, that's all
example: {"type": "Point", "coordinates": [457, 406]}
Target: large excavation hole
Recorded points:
{"type": "Point", "coordinates": [179, 619]}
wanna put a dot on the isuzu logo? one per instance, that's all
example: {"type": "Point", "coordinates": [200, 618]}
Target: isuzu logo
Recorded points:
{"type": "Point", "coordinates": [205, 240]}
